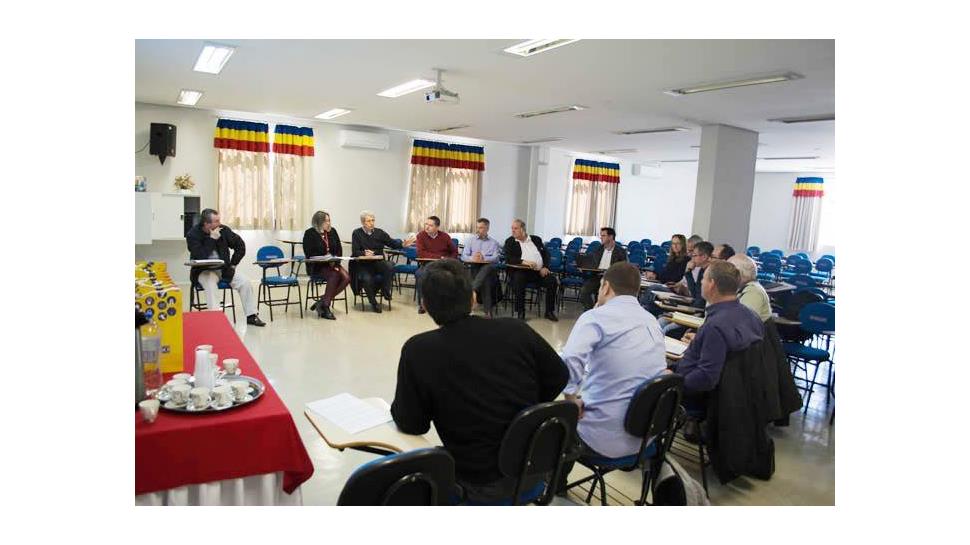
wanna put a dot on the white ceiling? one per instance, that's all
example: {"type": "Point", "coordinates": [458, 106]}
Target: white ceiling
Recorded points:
{"type": "Point", "coordinates": [620, 81]}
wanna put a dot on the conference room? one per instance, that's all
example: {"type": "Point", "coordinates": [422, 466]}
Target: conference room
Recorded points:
{"type": "Point", "coordinates": [348, 251]}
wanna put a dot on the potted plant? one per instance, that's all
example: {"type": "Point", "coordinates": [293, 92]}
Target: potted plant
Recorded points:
{"type": "Point", "coordinates": [184, 183]}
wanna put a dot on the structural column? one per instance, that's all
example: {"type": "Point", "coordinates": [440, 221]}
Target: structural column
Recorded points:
{"type": "Point", "coordinates": [725, 185]}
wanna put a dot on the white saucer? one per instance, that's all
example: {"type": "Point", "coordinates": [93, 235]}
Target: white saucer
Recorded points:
{"type": "Point", "coordinates": [192, 408]}
{"type": "Point", "coordinates": [163, 396]}
{"type": "Point", "coordinates": [173, 405]}
{"type": "Point", "coordinates": [246, 399]}
{"type": "Point", "coordinates": [222, 407]}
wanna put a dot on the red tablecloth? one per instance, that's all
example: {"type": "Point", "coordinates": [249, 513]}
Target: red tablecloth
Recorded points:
{"type": "Point", "coordinates": [184, 449]}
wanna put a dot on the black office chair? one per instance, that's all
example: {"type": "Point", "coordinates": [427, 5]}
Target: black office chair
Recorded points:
{"type": "Point", "coordinates": [534, 450]}
{"type": "Point", "coordinates": [418, 477]}
{"type": "Point", "coordinates": [651, 415]}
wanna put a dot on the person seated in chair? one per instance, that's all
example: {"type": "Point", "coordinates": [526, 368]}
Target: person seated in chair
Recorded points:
{"type": "Point", "coordinates": [728, 327]}
{"type": "Point", "coordinates": [471, 377]}
{"type": "Point", "coordinates": [209, 239]}
{"type": "Point", "coordinates": [723, 252]}
{"type": "Point", "coordinates": [606, 255]}
{"type": "Point", "coordinates": [319, 240]}
{"type": "Point", "coordinates": [480, 255]}
{"type": "Point", "coordinates": [690, 285]}
{"type": "Point", "coordinates": [432, 243]}
{"type": "Point", "coordinates": [610, 352]}
{"type": "Point", "coordinates": [676, 263]}
{"type": "Point", "coordinates": [368, 241]}
{"type": "Point", "coordinates": [752, 294]}
{"type": "Point", "coordinates": [524, 249]}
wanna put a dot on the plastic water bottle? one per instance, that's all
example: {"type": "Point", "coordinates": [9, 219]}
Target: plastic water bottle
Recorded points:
{"type": "Point", "coordinates": [151, 352]}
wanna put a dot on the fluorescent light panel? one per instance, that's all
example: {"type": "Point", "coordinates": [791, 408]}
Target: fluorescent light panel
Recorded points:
{"type": "Point", "coordinates": [455, 128]}
{"type": "Point", "coordinates": [188, 97]}
{"type": "Point", "coordinates": [653, 131]}
{"type": "Point", "coordinates": [616, 151]}
{"type": "Point", "coordinates": [405, 88]}
{"type": "Point", "coordinates": [571, 108]}
{"type": "Point", "coordinates": [680, 161]}
{"type": "Point", "coordinates": [776, 78]}
{"type": "Point", "coordinates": [541, 45]}
{"type": "Point", "coordinates": [542, 140]}
{"type": "Point", "coordinates": [802, 157]}
{"type": "Point", "coordinates": [804, 119]}
{"type": "Point", "coordinates": [330, 114]}
{"type": "Point", "coordinates": [213, 58]}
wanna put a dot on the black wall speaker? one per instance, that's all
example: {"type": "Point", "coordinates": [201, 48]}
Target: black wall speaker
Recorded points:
{"type": "Point", "coordinates": [162, 142]}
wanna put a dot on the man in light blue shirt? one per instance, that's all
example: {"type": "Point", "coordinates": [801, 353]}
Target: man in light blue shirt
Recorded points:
{"type": "Point", "coordinates": [481, 253]}
{"type": "Point", "coordinates": [612, 350]}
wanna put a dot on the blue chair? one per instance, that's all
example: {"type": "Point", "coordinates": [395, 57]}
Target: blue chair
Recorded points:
{"type": "Point", "coordinates": [778, 253]}
{"type": "Point", "coordinates": [753, 251]}
{"type": "Point", "coordinates": [770, 267]}
{"type": "Point", "coordinates": [799, 267]}
{"type": "Point", "coordinates": [419, 477]}
{"type": "Point", "coordinates": [802, 281]}
{"type": "Point", "coordinates": [456, 241]}
{"type": "Point", "coordinates": [269, 283]}
{"type": "Point", "coordinates": [408, 268]}
{"type": "Point", "coordinates": [818, 321]}
{"type": "Point", "coordinates": [651, 416]}
{"type": "Point", "coordinates": [196, 298]}
{"type": "Point", "coordinates": [534, 449]}
{"type": "Point", "coordinates": [635, 246]}
{"type": "Point", "coordinates": [313, 286]}
{"type": "Point", "coordinates": [655, 250]}
{"type": "Point", "coordinates": [666, 245]}
{"type": "Point", "coordinates": [646, 242]}
{"type": "Point", "coordinates": [556, 241]}
{"type": "Point", "coordinates": [824, 268]}
{"type": "Point", "coordinates": [830, 257]}
{"type": "Point", "coordinates": [593, 246]}
{"type": "Point", "coordinates": [639, 259]}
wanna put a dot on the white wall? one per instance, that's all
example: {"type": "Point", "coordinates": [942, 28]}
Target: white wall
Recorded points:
{"type": "Point", "coordinates": [771, 211]}
{"type": "Point", "coordinates": [656, 208]}
{"type": "Point", "coordinates": [345, 181]}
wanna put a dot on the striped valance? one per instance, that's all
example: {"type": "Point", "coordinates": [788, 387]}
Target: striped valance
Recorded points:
{"type": "Point", "coordinates": [242, 135]}
{"type": "Point", "coordinates": [596, 171]}
{"type": "Point", "coordinates": [293, 140]}
{"type": "Point", "coordinates": [808, 187]}
{"type": "Point", "coordinates": [440, 154]}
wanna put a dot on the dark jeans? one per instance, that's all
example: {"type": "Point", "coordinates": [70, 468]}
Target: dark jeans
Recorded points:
{"type": "Point", "coordinates": [367, 272]}
{"type": "Point", "coordinates": [484, 281]}
{"type": "Point", "coordinates": [522, 277]}
{"type": "Point", "coordinates": [337, 280]}
{"type": "Point", "coordinates": [587, 294]}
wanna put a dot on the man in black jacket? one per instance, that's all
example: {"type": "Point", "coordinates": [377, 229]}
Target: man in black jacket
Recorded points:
{"type": "Point", "coordinates": [369, 241]}
{"type": "Point", "coordinates": [528, 251]}
{"type": "Point", "coordinates": [209, 239]}
{"type": "Point", "coordinates": [604, 256]}
{"type": "Point", "coordinates": [471, 376]}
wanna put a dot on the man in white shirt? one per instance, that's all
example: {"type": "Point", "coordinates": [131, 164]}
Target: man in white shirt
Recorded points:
{"type": "Point", "coordinates": [528, 261]}
{"type": "Point", "coordinates": [611, 351]}
{"type": "Point", "coordinates": [608, 254]}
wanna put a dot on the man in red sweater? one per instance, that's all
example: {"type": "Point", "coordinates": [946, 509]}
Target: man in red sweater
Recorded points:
{"type": "Point", "coordinates": [432, 243]}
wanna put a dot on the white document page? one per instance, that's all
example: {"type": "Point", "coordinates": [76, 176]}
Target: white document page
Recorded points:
{"type": "Point", "coordinates": [350, 413]}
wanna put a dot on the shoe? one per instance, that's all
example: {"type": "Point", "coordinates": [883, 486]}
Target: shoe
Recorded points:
{"type": "Point", "coordinates": [254, 320]}
{"type": "Point", "coordinates": [375, 307]}
{"type": "Point", "coordinates": [327, 314]}
{"type": "Point", "coordinates": [551, 316]}
{"type": "Point", "coordinates": [421, 310]}
{"type": "Point", "coordinates": [314, 306]}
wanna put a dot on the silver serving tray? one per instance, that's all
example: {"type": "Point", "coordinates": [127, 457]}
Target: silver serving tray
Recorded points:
{"type": "Point", "coordinates": [255, 383]}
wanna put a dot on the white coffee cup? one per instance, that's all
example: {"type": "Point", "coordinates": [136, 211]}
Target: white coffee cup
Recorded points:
{"type": "Point", "coordinates": [149, 409]}
{"type": "Point", "coordinates": [167, 388]}
{"type": "Point", "coordinates": [182, 376]}
{"type": "Point", "coordinates": [240, 389]}
{"type": "Point", "coordinates": [180, 394]}
{"type": "Point", "coordinates": [230, 365]}
{"type": "Point", "coordinates": [222, 395]}
{"type": "Point", "coordinates": [200, 397]}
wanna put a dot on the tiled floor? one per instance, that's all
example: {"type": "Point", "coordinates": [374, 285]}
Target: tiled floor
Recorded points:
{"type": "Point", "coordinates": [309, 359]}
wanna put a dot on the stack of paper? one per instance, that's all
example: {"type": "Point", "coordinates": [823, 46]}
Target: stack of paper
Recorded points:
{"type": "Point", "coordinates": [693, 321]}
{"type": "Point", "coordinates": [349, 413]}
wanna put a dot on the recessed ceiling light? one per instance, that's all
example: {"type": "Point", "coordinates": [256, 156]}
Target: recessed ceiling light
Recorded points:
{"type": "Point", "coordinates": [759, 145]}
{"type": "Point", "coordinates": [804, 119]}
{"type": "Point", "coordinates": [679, 161]}
{"type": "Point", "coordinates": [571, 108]}
{"type": "Point", "coordinates": [446, 129]}
{"type": "Point", "coordinates": [775, 78]}
{"type": "Point", "coordinates": [803, 157]}
{"type": "Point", "coordinates": [188, 97]}
{"type": "Point", "coordinates": [330, 114]}
{"type": "Point", "coordinates": [615, 151]}
{"type": "Point", "coordinates": [213, 58]}
{"type": "Point", "coordinates": [652, 131]}
{"type": "Point", "coordinates": [541, 140]}
{"type": "Point", "coordinates": [405, 88]}
{"type": "Point", "coordinates": [531, 47]}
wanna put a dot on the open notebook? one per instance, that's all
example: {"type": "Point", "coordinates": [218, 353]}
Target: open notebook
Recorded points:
{"type": "Point", "coordinates": [694, 321]}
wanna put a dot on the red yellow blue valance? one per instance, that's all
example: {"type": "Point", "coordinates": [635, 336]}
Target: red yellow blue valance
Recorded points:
{"type": "Point", "coordinates": [808, 187]}
{"type": "Point", "coordinates": [596, 171]}
{"type": "Point", "coordinates": [293, 140]}
{"type": "Point", "coordinates": [440, 154]}
{"type": "Point", "coordinates": [242, 135]}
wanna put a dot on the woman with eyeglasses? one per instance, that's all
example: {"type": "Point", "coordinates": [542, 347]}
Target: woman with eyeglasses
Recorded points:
{"type": "Point", "coordinates": [676, 264]}
{"type": "Point", "coordinates": [319, 240]}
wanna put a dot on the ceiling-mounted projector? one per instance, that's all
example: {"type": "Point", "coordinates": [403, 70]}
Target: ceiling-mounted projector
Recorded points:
{"type": "Point", "coordinates": [438, 94]}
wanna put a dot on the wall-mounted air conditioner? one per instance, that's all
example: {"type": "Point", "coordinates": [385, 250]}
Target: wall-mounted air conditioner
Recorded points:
{"type": "Point", "coordinates": [365, 140]}
{"type": "Point", "coordinates": [649, 169]}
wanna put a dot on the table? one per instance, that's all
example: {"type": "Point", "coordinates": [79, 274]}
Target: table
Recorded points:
{"type": "Point", "coordinates": [678, 308]}
{"type": "Point", "coordinates": [665, 295]}
{"type": "Point", "coordinates": [593, 271]}
{"type": "Point", "coordinates": [383, 439]}
{"type": "Point", "coordinates": [292, 244]}
{"type": "Point", "coordinates": [255, 451]}
{"type": "Point", "coordinates": [780, 287]}
{"type": "Point", "coordinates": [677, 320]}
{"type": "Point", "coordinates": [671, 342]}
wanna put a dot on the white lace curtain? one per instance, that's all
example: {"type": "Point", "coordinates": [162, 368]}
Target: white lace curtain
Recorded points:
{"type": "Point", "coordinates": [592, 199]}
{"type": "Point", "coordinates": [292, 176]}
{"type": "Point", "coordinates": [806, 215]}
{"type": "Point", "coordinates": [242, 179]}
{"type": "Point", "coordinates": [446, 181]}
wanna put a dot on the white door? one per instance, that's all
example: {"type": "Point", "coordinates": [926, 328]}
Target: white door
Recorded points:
{"type": "Point", "coordinates": [143, 218]}
{"type": "Point", "coordinates": [167, 222]}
